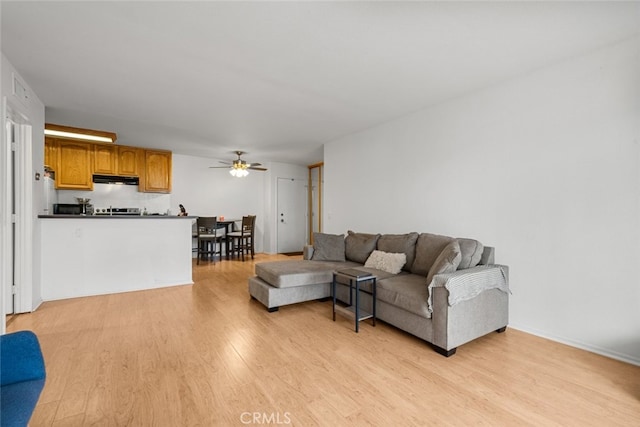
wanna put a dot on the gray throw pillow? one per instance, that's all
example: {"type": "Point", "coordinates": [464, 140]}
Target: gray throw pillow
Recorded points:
{"type": "Point", "coordinates": [471, 253]}
{"type": "Point", "coordinates": [446, 262]}
{"type": "Point", "coordinates": [358, 246]}
{"type": "Point", "coordinates": [428, 248]}
{"type": "Point", "coordinates": [328, 247]}
{"type": "Point", "coordinates": [400, 243]}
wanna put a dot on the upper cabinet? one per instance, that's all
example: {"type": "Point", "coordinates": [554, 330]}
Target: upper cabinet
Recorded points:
{"type": "Point", "coordinates": [74, 169]}
{"type": "Point", "coordinates": [156, 176]}
{"type": "Point", "coordinates": [128, 160]}
{"type": "Point", "coordinates": [75, 161]}
{"type": "Point", "coordinates": [105, 159]}
{"type": "Point", "coordinates": [50, 160]}
{"type": "Point", "coordinates": [116, 160]}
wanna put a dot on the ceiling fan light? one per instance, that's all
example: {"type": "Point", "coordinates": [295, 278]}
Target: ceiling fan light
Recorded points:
{"type": "Point", "coordinates": [239, 172]}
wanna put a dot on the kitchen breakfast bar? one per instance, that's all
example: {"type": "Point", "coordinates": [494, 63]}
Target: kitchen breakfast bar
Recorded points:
{"type": "Point", "coordinates": [96, 255]}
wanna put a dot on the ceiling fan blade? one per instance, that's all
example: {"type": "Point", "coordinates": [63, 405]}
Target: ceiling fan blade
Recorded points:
{"type": "Point", "coordinates": [239, 163]}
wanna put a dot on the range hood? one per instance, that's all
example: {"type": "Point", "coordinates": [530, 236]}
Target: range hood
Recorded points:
{"type": "Point", "coordinates": [115, 179]}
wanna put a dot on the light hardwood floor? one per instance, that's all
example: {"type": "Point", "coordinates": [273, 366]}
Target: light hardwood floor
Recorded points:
{"type": "Point", "coordinates": [208, 355]}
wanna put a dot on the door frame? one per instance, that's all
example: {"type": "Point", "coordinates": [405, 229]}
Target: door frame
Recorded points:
{"type": "Point", "coordinates": [16, 271]}
{"type": "Point", "coordinates": [311, 214]}
{"type": "Point", "coordinates": [6, 253]}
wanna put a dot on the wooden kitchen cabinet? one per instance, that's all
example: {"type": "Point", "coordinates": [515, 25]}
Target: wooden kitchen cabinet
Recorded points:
{"type": "Point", "coordinates": [156, 175]}
{"type": "Point", "coordinates": [76, 161]}
{"type": "Point", "coordinates": [105, 159]}
{"type": "Point", "coordinates": [50, 159]}
{"type": "Point", "coordinates": [116, 160]}
{"type": "Point", "coordinates": [74, 165]}
{"type": "Point", "coordinates": [128, 160]}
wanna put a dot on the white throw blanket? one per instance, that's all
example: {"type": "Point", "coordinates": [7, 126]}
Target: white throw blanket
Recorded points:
{"type": "Point", "coordinates": [468, 283]}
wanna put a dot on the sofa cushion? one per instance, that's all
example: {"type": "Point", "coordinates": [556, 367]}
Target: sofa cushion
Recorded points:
{"type": "Point", "coordinates": [400, 243]}
{"type": "Point", "coordinates": [385, 261]}
{"type": "Point", "coordinates": [428, 248]}
{"type": "Point", "coordinates": [407, 291]}
{"type": "Point", "coordinates": [447, 261]}
{"type": "Point", "coordinates": [471, 251]}
{"type": "Point", "coordinates": [358, 246]}
{"type": "Point", "coordinates": [328, 247]}
{"type": "Point", "coordinates": [287, 274]}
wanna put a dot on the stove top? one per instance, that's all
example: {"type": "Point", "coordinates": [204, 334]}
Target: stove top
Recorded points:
{"type": "Point", "coordinates": [116, 211]}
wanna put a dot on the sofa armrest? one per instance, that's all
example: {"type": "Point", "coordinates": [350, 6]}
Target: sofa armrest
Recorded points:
{"type": "Point", "coordinates": [465, 284]}
{"type": "Point", "coordinates": [21, 358]}
{"type": "Point", "coordinates": [22, 377]}
{"type": "Point", "coordinates": [468, 304]}
{"type": "Point", "coordinates": [307, 252]}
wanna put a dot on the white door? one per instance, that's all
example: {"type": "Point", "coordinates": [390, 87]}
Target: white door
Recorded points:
{"type": "Point", "coordinates": [16, 211]}
{"type": "Point", "coordinates": [10, 137]}
{"type": "Point", "coordinates": [292, 215]}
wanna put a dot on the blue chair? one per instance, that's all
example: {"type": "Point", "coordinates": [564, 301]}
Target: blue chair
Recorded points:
{"type": "Point", "coordinates": [22, 376]}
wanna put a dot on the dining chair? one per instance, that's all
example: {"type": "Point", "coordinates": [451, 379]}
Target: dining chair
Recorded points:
{"type": "Point", "coordinates": [251, 239]}
{"type": "Point", "coordinates": [209, 241]}
{"type": "Point", "coordinates": [194, 237]}
{"type": "Point", "coordinates": [243, 240]}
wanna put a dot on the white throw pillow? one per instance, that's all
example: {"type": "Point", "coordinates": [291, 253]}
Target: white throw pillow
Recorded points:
{"type": "Point", "coordinates": [386, 261]}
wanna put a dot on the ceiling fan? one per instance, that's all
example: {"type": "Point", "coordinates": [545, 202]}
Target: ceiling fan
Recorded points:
{"type": "Point", "coordinates": [239, 167]}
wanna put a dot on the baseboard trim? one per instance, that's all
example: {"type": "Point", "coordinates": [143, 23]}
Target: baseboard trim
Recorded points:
{"type": "Point", "coordinates": [582, 346]}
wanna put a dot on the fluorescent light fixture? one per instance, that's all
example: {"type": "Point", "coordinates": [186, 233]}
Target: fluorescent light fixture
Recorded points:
{"type": "Point", "coordinates": [77, 135]}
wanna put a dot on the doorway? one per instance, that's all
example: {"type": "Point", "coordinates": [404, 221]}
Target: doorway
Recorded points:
{"type": "Point", "coordinates": [315, 200]}
{"type": "Point", "coordinates": [292, 215]}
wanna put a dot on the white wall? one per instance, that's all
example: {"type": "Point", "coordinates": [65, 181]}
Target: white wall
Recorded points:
{"type": "Point", "coordinates": [214, 192]}
{"type": "Point", "coordinates": [545, 167]}
{"type": "Point", "coordinates": [30, 198]}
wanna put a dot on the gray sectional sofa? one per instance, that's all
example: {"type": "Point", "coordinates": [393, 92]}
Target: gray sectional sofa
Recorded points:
{"type": "Point", "coordinates": [444, 290]}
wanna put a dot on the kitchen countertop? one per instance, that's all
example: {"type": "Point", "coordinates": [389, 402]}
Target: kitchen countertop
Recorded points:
{"type": "Point", "coordinates": [116, 217]}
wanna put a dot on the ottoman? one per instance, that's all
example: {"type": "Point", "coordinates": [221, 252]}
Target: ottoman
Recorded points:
{"type": "Point", "coordinates": [279, 283]}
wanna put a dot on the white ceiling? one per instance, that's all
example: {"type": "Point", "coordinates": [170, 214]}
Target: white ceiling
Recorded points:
{"type": "Point", "coordinates": [279, 79]}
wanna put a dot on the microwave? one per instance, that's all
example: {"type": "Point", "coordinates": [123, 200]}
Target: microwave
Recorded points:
{"type": "Point", "coordinates": [67, 209]}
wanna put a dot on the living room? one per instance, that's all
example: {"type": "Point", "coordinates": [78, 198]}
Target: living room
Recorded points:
{"type": "Point", "coordinates": [542, 165]}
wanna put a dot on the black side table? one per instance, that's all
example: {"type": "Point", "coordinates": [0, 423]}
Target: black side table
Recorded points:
{"type": "Point", "coordinates": [355, 278]}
